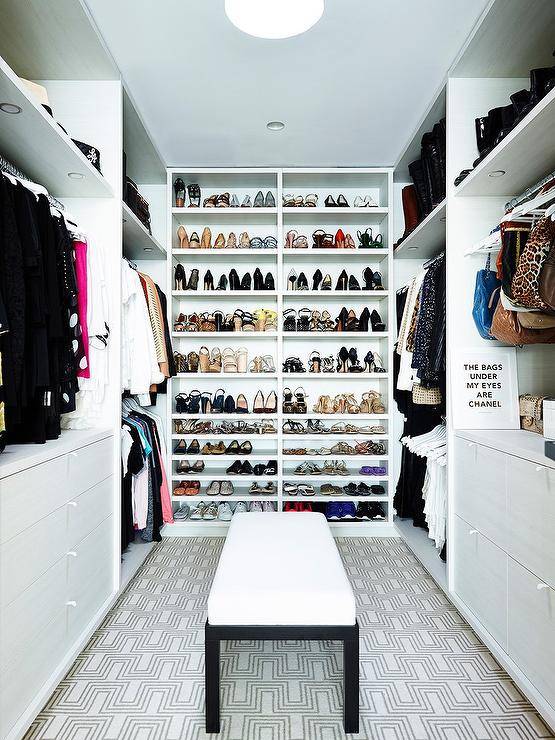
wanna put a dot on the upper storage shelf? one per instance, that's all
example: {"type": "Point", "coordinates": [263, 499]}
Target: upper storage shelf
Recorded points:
{"type": "Point", "coordinates": [34, 142]}
{"type": "Point", "coordinates": [143, 161]}
{"type": "Point", "coordinates": [138, 244]}
{"type": "Point", "coordinates": [521, 159]}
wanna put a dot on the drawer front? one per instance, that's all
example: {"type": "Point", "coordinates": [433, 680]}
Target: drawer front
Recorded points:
{"type": "Point", "coordinates": [22, 681]}
{"type": "Point", "coordinates": [531, 517]}
{"type": "Point", "coordinates": [90, 576]}
{"type": "Point", "coordinates": [29, 496]}
{"type": "Point", "coordinates": [532, 628]}
{"type": "Point", "coordinates": [32, 611]}
{"type": "Point", "coordinates": [480, 489]}
{"type": "Point", "coordinates": [88, 510]}
{"type": "Point", "coordinates": [26, 557]}
{"type": "Point", "coordinates": [90, 465]}
{"type": "Point", "coordinates": [481, 579]}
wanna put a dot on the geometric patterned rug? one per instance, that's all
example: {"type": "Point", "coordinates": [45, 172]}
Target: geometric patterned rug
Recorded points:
{"type": "Point", "coordinates": [424, 673]}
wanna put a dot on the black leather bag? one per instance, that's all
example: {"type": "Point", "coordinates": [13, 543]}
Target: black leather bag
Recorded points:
{"type": "Point", "coordinates": [137, 203]}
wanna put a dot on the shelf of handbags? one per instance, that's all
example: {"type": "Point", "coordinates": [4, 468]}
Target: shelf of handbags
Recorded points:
{"type": "Point", "coordinates": [236, 312]}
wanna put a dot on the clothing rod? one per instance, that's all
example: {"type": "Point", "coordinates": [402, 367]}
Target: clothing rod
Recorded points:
{"type": "Point", "coordinates": [11, 169]}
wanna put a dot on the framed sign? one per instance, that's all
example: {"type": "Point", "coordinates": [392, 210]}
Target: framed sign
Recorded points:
{"type": "Point", "coordinates": [484, 389]}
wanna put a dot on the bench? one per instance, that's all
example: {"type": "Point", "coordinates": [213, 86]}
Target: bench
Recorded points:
{"type": "Point", "coordinates": [280, 577]}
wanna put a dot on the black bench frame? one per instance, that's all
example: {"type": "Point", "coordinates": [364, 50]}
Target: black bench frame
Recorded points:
{"type": "Point", "coordinates": [348, 635]}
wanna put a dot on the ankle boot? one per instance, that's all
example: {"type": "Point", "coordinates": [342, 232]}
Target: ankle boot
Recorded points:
{"type": "Point", "coordinates": [234, 282]}
{"type": "Point", "coordinates": [192, 283]}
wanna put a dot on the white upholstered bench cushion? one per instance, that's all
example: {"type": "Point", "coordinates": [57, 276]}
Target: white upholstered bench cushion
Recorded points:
{"type": "Point", "coordinates": [280, 568]}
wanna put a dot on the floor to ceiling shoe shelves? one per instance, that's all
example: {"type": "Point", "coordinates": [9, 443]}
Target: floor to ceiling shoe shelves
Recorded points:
{"type": "Point", "coordinates": [376, 182]}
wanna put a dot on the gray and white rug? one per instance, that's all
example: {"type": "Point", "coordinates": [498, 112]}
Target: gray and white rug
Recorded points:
{"type": "Point", "coordinates": [424, 673]}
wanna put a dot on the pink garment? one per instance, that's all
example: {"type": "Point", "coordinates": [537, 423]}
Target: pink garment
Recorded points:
{"type": "Point", "coordinates": [165, 498]}
{"type": "Point", "coordinates": [80, 249]}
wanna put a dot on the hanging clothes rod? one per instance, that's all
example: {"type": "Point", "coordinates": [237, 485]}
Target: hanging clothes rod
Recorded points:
{"type": "Point", "coordinates": [528, 194]}
{"type": "Point", "coordinates": [11, 169]}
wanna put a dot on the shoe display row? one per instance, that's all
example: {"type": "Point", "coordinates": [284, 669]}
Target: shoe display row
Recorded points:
{"type": "Point", "coordinates": [337, 467]}
{"type": "Point", "coordinates": [341, 448]}
{"type": "Point", "coordinates": [220, 402]}
{"type": "Point", "coordinates": [294, 402]}
{"type": "Point", "coordinates": [328, 489]}
{"type": "Point", "coordinates": [222, 512]}
{"type": "Point", "coordinates": [346, 361]}
{"type": "Point", "coordinates": [339, 201]}
{"type": "Point", "coordinates": [371, 281]}
{"type": "Point", "coordinates": [245, 468]}
{"type": "Point", "coordinates": [228, 361]}
{"type": "Point", "coordinates": [323, 240]}
{"type": "Point", "coordinates": [205, 241]}
{"type": "Point", "coordinates": [261, 319]}
{"type": "Point", "coordinates": [220, 448]}
{"type": "Point", "coordinates": [306, 319]}
{"type": "Point", "coordinates": [341, 511]}
{"type": "Point", "coordinates": [221, 488]}
{"type": "Point", "coordinates": [221, 200]}
{"type": "Point", "coordinates": [256, 281]}
{"type": "Point", "coordinates": [198, 426]}
{"type": "Point", "coordinates": [317, 426]}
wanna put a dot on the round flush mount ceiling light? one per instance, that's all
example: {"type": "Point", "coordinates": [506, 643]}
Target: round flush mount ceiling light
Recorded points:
{"type": "Point", "coordinates": [10, 108]}
{"type": "Point", "coordinates": [274, 19]}
{"type": "Point", "coordinates": [275, 125]}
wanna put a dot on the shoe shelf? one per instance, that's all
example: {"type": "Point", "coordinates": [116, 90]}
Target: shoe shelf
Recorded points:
{"type": "Point", "coordinates": [376, 183]}
{"type": "Point", "coordinates": [524, 156]}
{"type": "Point", "coordinates": [138, 244]}
{"type": "Point", "coordinates": [428, 238]}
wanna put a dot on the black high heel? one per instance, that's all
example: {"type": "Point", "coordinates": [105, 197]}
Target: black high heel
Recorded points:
{"type": "Point", "coordinates": [291, 280]}
{"type": "Point", "coordinates": [179, 189]}
{"type": "Point", "coordinates": [376, 321]}
{"type": "Point", "coordinates": [257, 275]}
{"type": "Point", "coordinates": [377, 281]}
{"type": "Point", "coordinates": [246, 282]}
{"type": "Point", "coordinates": [192, 283]}
{"type": "Point", "coordinates": [355, 366]}
{"type": "Point", "coordinates": [230, 407]}
{"type": "Point", "coordinates": [368, 277]}
{"type": "Point", "coordinates": [342, 201]}
{"type": "Point", "coordinates": [330, 202]}
{"type": "Point", "coordinates": [222, 283]}
{"type": "Point", "coordinates": [206, 403]}
{"type": "Point", "coordinates": [342, 358]}
{"type": "Point", "coordinates": [353, 283]}
{"type": "Point", "coordinates": [316, 279]}
{"type": "Point", "coordinates": [269, 282]}
{"type": "Point", "coordinates": [234, 282]}
{"type": "Point", "coordinates": [364, 320]}
{"type": "Point", "coordinates": [303, 320]}
{"type": "Point", "coordinates": [369, 361]}
{"type": "Point", "coordinates": [219, 320]}
{"type": "Point", "coordinates": [342, 281]}
{"type": "Point", "coordinates": [218, 402]}
{"type": "Point", "coordinates": [208, 281]}
{"type": "Point", "coordinates": [342, 319]}
{"type": "Point", "coordinates": [302, 282]}
{"type": "Point", "coordinates": [179, 277]}
{"type": "Point", "coordinates": [315, 362]}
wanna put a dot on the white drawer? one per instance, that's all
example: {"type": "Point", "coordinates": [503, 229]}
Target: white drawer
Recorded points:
{"type": "Point", "coordinates": [481, 579]}
{"type": "Point", "coordinates": [90, 465]}
{"type": "Point", "coordinates": [32, 611]}
{"type": "Point", "coordinates": [31, 495]}
{"type": "Point", "coordinates": [86, 511]}
{"type": "Point", "coordinates": [90, 576]}
{"type": "Point", "coordinates": [531, 517]}
{"type": "Point", "coordinates": [532, 628]}
{"type": "Point", "coordinates": [26, 557]}
{"type": "Point", "coordinates": [480, 489]}
{"type": "Point", "coordinates": [22, 681]}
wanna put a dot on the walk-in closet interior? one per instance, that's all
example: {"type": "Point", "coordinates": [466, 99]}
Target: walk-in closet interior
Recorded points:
{"type": "Point", "coordinates": [255, 263]}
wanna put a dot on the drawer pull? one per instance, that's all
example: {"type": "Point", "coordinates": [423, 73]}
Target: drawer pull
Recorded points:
{"type": "Point", "coordinates": [71, 603]}
{"type": "Point", "coordinates": [71, 554]}
{"type": "Point", "coordinates": [72, 503]}
{"type": "Point", "coordinates": [542, 586]}
{"type": "Point", "coordinates": [472, 531]}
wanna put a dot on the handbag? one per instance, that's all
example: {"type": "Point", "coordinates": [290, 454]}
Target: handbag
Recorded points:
{"type": "Point", "coordinates": [486, 297]}
{"type": "Point", "coordinates": [425, 396]}
{"type": "Point", "coordinates": [137, 203]}
{"type": "Point", "coordinates": [536, 320]}
{"type": "Point", "coordinates": [547, 279]}
{"type": "Point", "coordinates": [525, 284]}
{"type": "Point", "coordinates": [531, 412]}
{"type": "Point", "coordinates": [506, 327]}
{"type": "Point", "coordinates": [514, 237]}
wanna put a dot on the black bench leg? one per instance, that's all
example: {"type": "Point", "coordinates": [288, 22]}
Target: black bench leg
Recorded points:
{"type": "Point", "coordinates": [350, 683]}
{"type": "Point", "coordinates": [212, 683]}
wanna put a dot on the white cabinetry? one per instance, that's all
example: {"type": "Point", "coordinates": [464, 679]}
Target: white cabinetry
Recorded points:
{"type": "Point", "coordinates": [504, 555]}
{"type": "Point", "coordinates": [57, 555]}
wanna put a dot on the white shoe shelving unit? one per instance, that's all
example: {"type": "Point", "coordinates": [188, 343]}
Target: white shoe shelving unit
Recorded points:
{"type": "Point", "coordinates": [376, 182]}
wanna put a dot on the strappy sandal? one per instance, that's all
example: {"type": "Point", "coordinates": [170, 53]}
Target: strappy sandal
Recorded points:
{"type": "Point", "coordinates": [301, 242]}
{"type": "Point", "coordinates": [222, 200]}
{"type": "Point", "coordinates": [315, 362]}
{"type": "Point", "coordinates": [229, 360]}
{"type": "Point", "coordinates": [299, 405]}
{"type": "Point", "coordinates": [288, 405]}
{"type": "Point", "coordinates": [180, 322]}
{"type": "Point", "coordinates": [292, 427]}
{"type": "Point", "coordinates": [210, 202]}
{"type": "Point", "coordinates": [193, 362]}
{"type": "Point", "coordinates": [290, 320]}
{"type": "Point", "coordinates": [268, 364]}
{"type": "Point", "coordinates": [314, 321]}
{"type": "Point", "coordinates": [311, 200]}
{"type": "Point", "coordinates": [328, 364]}
{"type": "Point", "coordinates": [303, 319]}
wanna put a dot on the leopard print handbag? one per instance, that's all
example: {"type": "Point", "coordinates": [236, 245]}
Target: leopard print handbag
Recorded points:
{"type": "Point", "coordinates": [525, 284]}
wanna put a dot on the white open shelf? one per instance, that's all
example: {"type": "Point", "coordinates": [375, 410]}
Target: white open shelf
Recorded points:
{"type": "Point", "coordinates": [428, 239]}
{"type": "Point", "coordinates": [33, 142]}
{"type": "Point", "coordinates": [138, 244]}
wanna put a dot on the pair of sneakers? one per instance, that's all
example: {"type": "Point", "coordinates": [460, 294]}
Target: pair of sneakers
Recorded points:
{"type": "Point", "coordinates": [365, 510]}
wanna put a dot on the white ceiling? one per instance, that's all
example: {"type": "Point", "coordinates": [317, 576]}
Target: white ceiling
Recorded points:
{"type": "Point", "coordinates": [351, 90]}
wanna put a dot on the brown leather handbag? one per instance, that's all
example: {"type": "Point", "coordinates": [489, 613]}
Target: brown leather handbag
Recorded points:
{"type": "Point", "coordinates": [506, 328]}
{"type": "Point", "coordinates": [536, 320]}
{"type": "Point", "coordinates": [547, 279]}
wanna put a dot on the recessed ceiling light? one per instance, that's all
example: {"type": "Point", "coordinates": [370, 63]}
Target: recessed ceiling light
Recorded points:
{"type": "Point", "coordinates": [10, 108]}
{"type": "Point", "coordinates": [443, 219]}
{"type": "Point", "coordinates": [275, 125]}
{"type": "Point", "coordinates": [496, 173]}
{"type": "Point", "coordinates": [148, 249]}
{"type": "Point", "coordinates": [274, 19]}
{"type": "Point", "coordinates": [75, 175]}
{"type": "Point", "coordinates": [411, 249]}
